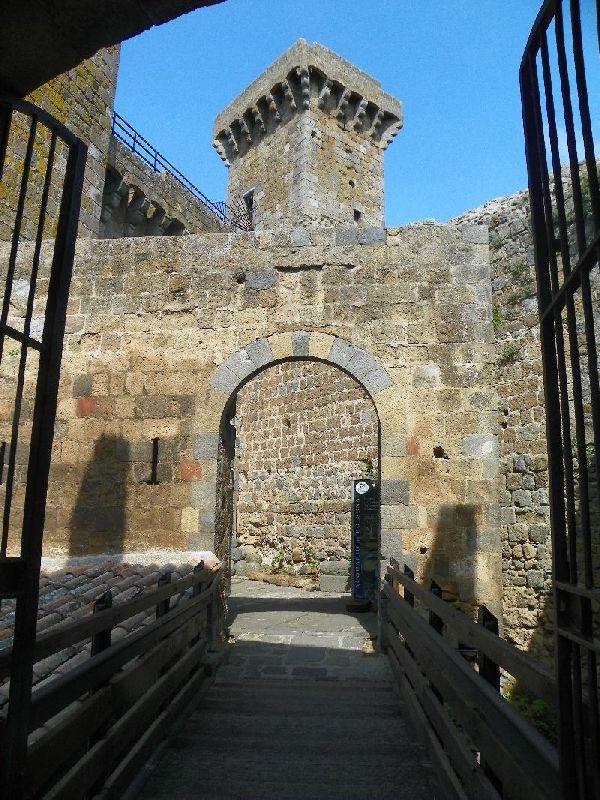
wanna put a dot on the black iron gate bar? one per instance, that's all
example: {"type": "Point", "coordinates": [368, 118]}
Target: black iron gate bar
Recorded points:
{"type": "Point", "coordinates": [571, 504]}
{"type": "Point", "coordinates": [19, 575]}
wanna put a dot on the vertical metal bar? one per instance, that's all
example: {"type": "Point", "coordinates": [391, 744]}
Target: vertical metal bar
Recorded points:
{"type": "Point", "coordinates": [573, 349]}
{"type": "Point", "coordinates": [12, 259]}
{"type": "Point", "coordinates": [584, 113]}
{"type": "Point", "coordinates": [44, 415]}
{"type": "Point", "coordinates": [532, 113]}
{"type": "Point", "coordinates": [23, 358]}
{"type": "Point", "coordinates": [5, 120]}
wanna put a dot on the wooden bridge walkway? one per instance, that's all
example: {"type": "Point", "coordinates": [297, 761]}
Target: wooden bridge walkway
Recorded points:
{"type": "Point", "coordinates": [303, 710]}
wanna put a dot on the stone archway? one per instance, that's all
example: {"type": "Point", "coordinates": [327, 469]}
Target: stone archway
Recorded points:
{"type": "Point", "coordinates": [215, 450]}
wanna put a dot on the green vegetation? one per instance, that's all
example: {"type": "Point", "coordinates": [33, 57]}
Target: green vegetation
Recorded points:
{"type": "Point", "coordinates": [278, 562]}
{"type": "Point", "coordinates": [537, 711]}
{"type": "Point", "coordinates": [509, 354]}
{"type": "Point", "coordinates": [312, 559]}
{"type": "Point", "coordinates": [496, 318]}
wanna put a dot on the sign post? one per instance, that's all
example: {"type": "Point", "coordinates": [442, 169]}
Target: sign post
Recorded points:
{"type": "Point", "coordinates": [365, 540]}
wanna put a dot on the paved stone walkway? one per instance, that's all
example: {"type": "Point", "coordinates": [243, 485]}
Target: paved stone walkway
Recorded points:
{"type": "Point", "coordinates": [302, 710]}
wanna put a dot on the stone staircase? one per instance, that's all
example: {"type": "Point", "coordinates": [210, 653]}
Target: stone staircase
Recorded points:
{"type": "Point", "coordinates": [303, 710]}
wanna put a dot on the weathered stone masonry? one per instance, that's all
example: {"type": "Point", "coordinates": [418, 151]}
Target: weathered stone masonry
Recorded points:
{"type": "Point", "coordinates": [167, 329]}
{"type": "Point", "coordinates": [304, 430]}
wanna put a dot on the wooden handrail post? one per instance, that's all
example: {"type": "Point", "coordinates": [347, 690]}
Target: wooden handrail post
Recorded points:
{"type": "Point", "coordinates": [409, 596]}
{"type": "Point", "coordinates": [437, 623]}
{"type": "Point", "coordinates": [163, 607]}
{"type": "Point", "coordinates": [102, 639]}
{"type": "Point", "coordinates": [197, 588]}
{"type": "Point", "coordinates": [488, 669]}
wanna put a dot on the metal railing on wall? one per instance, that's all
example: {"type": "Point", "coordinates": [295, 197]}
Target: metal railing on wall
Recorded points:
{"type": "Point", "coordinates": [565, 211]}
{"type": "Point", "coordinates": [233, 216]}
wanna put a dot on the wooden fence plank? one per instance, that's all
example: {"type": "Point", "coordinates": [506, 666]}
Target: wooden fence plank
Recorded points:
{"type": "Point", "coordinates": [57, 747]}
{"type": "Point", "coordinates": [460, 755]}
{"type": "Point", "coordinates": [63, 636]}
{"type": "Point", "coordinates": [131, 684]}
{"type": "Point", "coordinates": [135, 759]}
{"type": "Point", "coordinates": [519, 755]}
{"type": "Point", "coordinates": [51, 697]}
{"type": "Point", "coordinates": [539, 680]}
{"type": "Point", "coordinates": [107, 753]}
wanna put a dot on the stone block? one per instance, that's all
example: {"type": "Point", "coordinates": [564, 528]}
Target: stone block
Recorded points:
{"type": "Point", "coordinates": [377, 380]}
{"type": "Point", "coordinates": [263, 279]}
{"type": "Point", "coordinates": [190, 470]}
{"type": "Point", "coordinates": [371, 236]}
{"type": "Point", "coordinates": [475, 234]}
{"type": "Point", "coordinates": [319, 345]}
{"type": "Point", "coordinates": [394, 446]}
{"type": "Point", "coordinates": [206, 445]}
{"type": "Point", "coordinates": [426, 376]}
{"type": "Point", "coordinates": [281, 345]}
{"type": "Point", "coordinates": [335, 567]}
{"type": "Point", "coordinates": [300, 343]}
{"type": "Point", "coordinates": [480, 445]}
{"type": "Point", "coordinates": [82, 385]}
{"type": "Point", "coordinates": [299, 237]}
{"type": "Point", "coordinates": [346, 237]}
{"type": "Point", "coordinates": [203, 494]}
{"type": "Point", "coordinates": [394, 492]}
{"type": "Point", "coordinates": [535, 579]}
{"type": "Point", "coordinates": [201, 541]}
{"type": "Point", "coordinates": [240, 364]}
{"type": "Point", "coordinates": [260, 353]}
{"type": "Point", "coordinates": [225, 380]}
{"type": "Point", "coordinates": [399, 516]}
{"type": "Point", "coordinates": [361, 363]}
{"type": "Point", "coordinates": [341, 352]}
{"type": "Point", "coordinates": [391, 543]}
{"type": "Point", "coordinates": [334, 583]}
{"type": "Point", "coordinates": [522, 498]}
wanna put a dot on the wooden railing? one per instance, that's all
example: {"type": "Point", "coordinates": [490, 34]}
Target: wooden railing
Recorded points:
{"type": "Point", "coordinates": [103, 718]}
{"type": "Point", "coordinates": [483, 748]}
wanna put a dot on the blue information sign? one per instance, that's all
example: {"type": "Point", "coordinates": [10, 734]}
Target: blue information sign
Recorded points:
{"type": "Point", "coordinates": [365, 539]}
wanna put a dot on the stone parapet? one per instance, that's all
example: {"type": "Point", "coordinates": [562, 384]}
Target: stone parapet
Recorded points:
{"type": "Point", "coordinates": [307, 76]}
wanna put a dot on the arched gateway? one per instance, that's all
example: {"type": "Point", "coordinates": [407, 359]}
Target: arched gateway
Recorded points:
{"type": "Point", "coordinates": [214, 446]}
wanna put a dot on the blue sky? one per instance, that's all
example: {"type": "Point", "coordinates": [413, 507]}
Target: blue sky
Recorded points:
{"type": "Point", "coordinates": [453, 63]}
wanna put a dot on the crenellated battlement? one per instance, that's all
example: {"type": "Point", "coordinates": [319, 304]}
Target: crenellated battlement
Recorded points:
{"type": "Point", "coordinates": [305, 140]}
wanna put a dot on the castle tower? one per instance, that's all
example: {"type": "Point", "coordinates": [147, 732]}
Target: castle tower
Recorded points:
{"type": "Point", "coordinates": [304, 142]}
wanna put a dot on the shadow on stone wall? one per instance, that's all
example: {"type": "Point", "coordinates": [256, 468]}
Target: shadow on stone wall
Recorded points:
{"type": "Point", "coordinates": [452, 560]}
{"type": "Point", "coordinates": [99, 516]}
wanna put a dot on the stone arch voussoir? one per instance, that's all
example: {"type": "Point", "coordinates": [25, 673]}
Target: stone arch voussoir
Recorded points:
{"type": "Point", "coordinates": [243, 364]}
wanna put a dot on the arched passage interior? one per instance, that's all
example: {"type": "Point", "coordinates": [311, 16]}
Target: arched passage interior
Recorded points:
{"type": "Point", "coordinates": [293, 438]}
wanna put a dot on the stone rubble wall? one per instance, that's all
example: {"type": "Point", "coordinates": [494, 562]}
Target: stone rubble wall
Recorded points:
{"type": "Point", "coordinates": [304, 430]}
{"type": "Point", "coordinates": [82, 99]}
{"type": "Point", "coordinates": [137, 201]}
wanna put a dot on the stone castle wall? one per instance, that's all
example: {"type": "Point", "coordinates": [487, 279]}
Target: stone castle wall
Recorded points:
{"type": "Point", "coordinates": [163, 331]}
{"type": "Point", "coordinates": [304, 430]}
{"type": "Point", "coordinates": [82, 99]}
{"type": "Point", "coordinates": [137, 201]}
{"type": "Point", "coordinates": [525, 513]}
